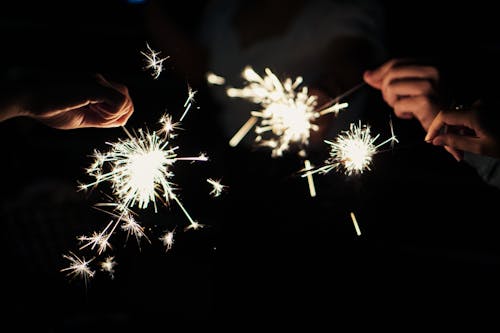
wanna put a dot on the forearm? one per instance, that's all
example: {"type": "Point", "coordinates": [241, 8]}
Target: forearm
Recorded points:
{"type": "Point", "coordinates": [11, 105]}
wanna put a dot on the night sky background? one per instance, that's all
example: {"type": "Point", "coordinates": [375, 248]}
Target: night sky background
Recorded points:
{"type": "Point", "coordinates": [429, 246]}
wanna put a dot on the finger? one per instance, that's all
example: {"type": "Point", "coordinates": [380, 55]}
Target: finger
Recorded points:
{"type": "Point", "coordinates": [374, 77]}
{"type": "Point", "coordinates": [410, 72]}
{"type": "Point", "coordinates": [458, 142]}
{"type": "Point", "coordinates": [412, 87]}
{"type": "Point", "coordinates": [122, 120]}
{"type": "Point", "coordinates": [457, 154]}
{"type": "Point", "coordinates": [421, 107]}
{"type": "Point", "coordinates": [462, 118]}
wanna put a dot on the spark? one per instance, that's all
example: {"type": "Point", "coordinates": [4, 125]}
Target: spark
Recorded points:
{"type": "Point", "coordinates": [168, 240]}
{"type": "Point", "coordinates": [78, 267]}
{"type": "Point", "coordinates": [168, 126]}
{"type": "Point", "coordinates": [393, 136]}
{"type": "Point", "coordinates": [355, 222]}
{"type": "Point", "coordinates": [108, 265]}
{"type": "Point", "coordinates": [96, 239]}
{"type": "Point", "coordinates": [194, 225]}
{"type": "Point", "coordinates": [352, 151]}
{"type": "Point", "coordinates": [153, 61]}
{"type": "Point", "coordinates": [217, 187]}
{"type": "Point", "coordinates": [287, 113]}
{"type": "Point", "coordinates": [189, 101]}
{"type": "Point", "coordinates": [215, 79]}
{"type": "Point", "coordinates": [131, 226]}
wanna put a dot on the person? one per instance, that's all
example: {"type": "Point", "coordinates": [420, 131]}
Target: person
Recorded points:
{"type": "Point", "coordinates": [415, 90]}
{"type": "Point", "coordinates": [84, 101]}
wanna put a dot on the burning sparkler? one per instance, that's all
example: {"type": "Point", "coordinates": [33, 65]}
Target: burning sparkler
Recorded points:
{"type": "Point", "coordinates": [153, 61]}
{"type": "Point", "coordinates": [287, 113]}
{"type": "Point", "coordinates": [352, 151]}
{"type": "Point", "coordinates": [139, 170]}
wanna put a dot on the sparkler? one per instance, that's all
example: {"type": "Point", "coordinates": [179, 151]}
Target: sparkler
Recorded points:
{"type": "Point", "coordinates": [153, 61]}
{"type": "Point", "coordinates": [352, 151]}
{"type": "Point", "coordinates": [287, 114]}
{"type": "Point", "coordinates": [139, 169]}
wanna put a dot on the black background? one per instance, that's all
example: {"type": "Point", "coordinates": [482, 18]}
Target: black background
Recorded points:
{"type": "Point", "coordinates": [429, 245]}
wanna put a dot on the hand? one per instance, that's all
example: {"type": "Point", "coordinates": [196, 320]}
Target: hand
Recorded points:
{"type": "Point", "coordinates": [87, 102]}
{"type": "Point", "coordinates": [410, 89]}
{"type": "Point", "coordinates": [468, 133]}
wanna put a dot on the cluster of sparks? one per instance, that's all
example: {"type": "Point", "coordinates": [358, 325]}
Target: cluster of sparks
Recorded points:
{"type": "Point", "coordinates": [353, 150]}
{"type": "Point", "coordinates": [139, 170]}
{"type": "Point", "coordinates": [287, 112]}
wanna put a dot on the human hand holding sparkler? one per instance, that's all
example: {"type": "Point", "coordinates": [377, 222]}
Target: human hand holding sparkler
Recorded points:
{"type": "Point", "coordinates": [77, 103]}
{"type": "Point", "coordinates": [411, 89]}
{"type": "Point", "coordinates": [468, 130]}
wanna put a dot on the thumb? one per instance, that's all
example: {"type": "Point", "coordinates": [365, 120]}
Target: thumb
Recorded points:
{"type": "Point", "coordinates": [370, 79]}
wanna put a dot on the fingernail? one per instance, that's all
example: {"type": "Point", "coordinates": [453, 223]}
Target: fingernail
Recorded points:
{"type": "Point", "coordinates": [438, 141]}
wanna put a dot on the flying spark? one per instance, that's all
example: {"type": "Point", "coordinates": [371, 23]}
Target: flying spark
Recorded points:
{"type": "Point", "coordinates": [78, 267]}
{"type": "Point", "coordinates": [217, 187]}
{"type": "Point", "coordinates": [168, 240]}
{"type": "Point", "coordinates": [131, 226]}
{"type": "Point", "coordinates": [108, 265]}
{"type": "Point", "coordinates": [189, 101]}
{"type": "Point", "coordinates": [153, 61]}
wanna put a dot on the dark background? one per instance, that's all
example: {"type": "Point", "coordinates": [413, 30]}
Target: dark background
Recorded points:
{"type": "Point", "coordinates": [429, 247]}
